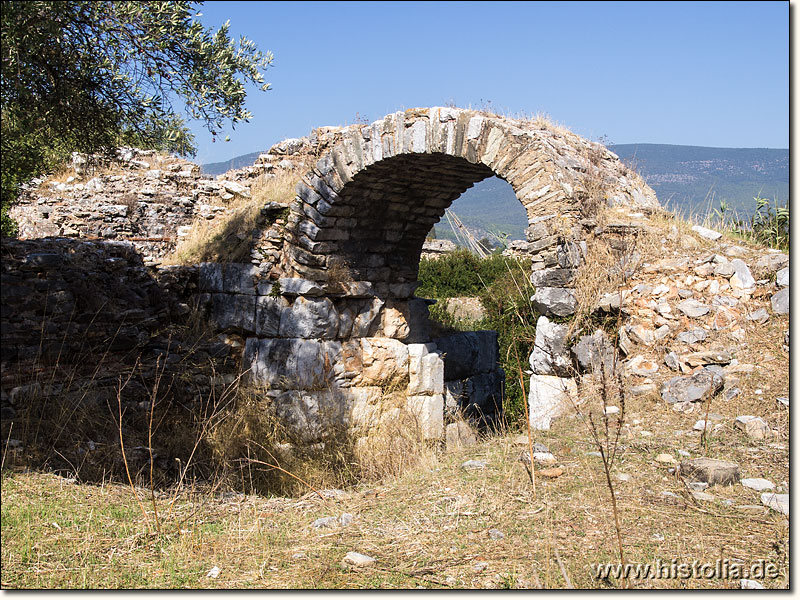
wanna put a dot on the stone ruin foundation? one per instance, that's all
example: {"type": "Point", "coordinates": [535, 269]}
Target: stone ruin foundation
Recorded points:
{"type": "Point", "coordinates": [328, 314]}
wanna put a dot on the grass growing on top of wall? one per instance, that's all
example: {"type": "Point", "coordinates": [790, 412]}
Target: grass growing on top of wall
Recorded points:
{"type": "Point", "coordinates": [503, 286]}
{"type": "Point", "coordinates": [230, 238]}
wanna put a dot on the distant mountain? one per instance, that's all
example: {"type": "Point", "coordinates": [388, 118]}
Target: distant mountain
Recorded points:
{"type": "Point", "coordinates": [693, 179]}
{"type": "Point", "coordinates": [690, 179]}
{"type": "Point", "coordinates": [218, 168]}
{"type": "Point", "coordinates": [489, 208]}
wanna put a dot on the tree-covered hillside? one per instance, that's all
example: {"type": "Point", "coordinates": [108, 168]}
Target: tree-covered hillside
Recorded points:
{"type": "Point", "coordinates": [691, 179]}
{"type": "Point", "coordinates": [695, 178]}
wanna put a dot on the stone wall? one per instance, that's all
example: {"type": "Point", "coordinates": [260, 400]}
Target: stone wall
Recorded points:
{"type": "Point", "coordinates": [147, 199]}
{"type": "Point", "coordinates": [78, 315]}
{"type": "Point", "coordinates": [331, 353]}
{"type": "Point", "coordinates": [326, 305]}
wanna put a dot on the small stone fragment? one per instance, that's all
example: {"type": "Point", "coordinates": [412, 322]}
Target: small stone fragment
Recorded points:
{"type": "Point", "coordinates": [702, 496]}
{"type": "Point", "coordinates": [479, 567]}
{"type": "Point", "coordinates": [777, 502]}
{"type": "Point", "coordinates": [698, 387]}
{"type": "Point", "coordinates": [357, 559]}
{"type": "Point", "coordinates": [692, 337]}
{"type": "Point", "coordinates": [706, 233]}
{"type": "Point", "coordinates": [750, 584]}
{"type": "Point", "coordinates": [325, 522]}
{"type": "Point", "coordinates": [693, 308]}
{"type": "Point", "coordinates": [757, 484]}
{"type": "Point", "coordinates": [473, 465]}
{"type": "Point", "coordinates": [213, 573]}
{"type": "Point", "coordinates": [780, 302]}
{"type": "Point", "coordinates": [641, 390]}
{"type": "Point", "coordinates": [496, 534]}
{"type": "Point", "coordinates": [671, 360]}
{"type": "Point", "coordinates": [666, 459]}
{"type": "Point", "coordinates": [709, 357]}
{"type": "Point", "coordinates": [782, 277]}
{"type": "Point", "coordinates": [551, 473]}
{"type": "Point", "coordinates": [759, 316]}
{"type": "Point", "coordinates": [711, 470]}
{"type": "Point", "coordinates": [641, 366]}
{"type": "Point", "coordinates": [756, 428]}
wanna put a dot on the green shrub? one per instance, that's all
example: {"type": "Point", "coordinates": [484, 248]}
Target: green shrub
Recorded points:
{"type": "Point", "coordinates": [503, 285]}
{"type": "Point", "coordinates": [510, 312]}
{"type": "Point", "coordinates": [459, 273]}
{"type": "Point", "coordinates": [770, 223]}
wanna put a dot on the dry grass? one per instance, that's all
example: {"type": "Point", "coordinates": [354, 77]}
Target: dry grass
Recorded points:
{"type": "Point", "coordinates": [428, 527]}
{"type": "Point", "coordinates": [230, 237]}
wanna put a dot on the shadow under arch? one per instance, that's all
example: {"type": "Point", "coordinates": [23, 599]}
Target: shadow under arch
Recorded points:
{"type": "Point", "coordinates": [371, 199]}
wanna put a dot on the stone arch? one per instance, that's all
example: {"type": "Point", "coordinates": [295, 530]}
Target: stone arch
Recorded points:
{"type": "Point", "coordinates": [341, 324]}
{"type": "Point", "coordinates": [371, 198]}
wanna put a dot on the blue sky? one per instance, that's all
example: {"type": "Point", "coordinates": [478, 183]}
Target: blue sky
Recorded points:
{"type": "Point", "coordinates": [695, 73]}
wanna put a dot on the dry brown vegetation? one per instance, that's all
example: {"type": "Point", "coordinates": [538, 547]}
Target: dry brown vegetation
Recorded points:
{"type": "Point", "coordinates": [230, 237]}
{"type": "Point", "coordinates": [427, 527]}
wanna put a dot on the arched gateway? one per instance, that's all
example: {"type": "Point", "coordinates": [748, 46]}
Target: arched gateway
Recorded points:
{"type": "Point", "coordinates": [346, 327]}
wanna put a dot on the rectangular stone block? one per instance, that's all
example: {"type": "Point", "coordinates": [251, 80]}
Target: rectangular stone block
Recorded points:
{"type": "Point", "coordinates": [209, 277]}
{"type": "Point", "coordinates": [309, 318]}
{"type": "Point", "coordinates": [365, 406]}
{"type": "Point", "coordinates": [368, 318]}
{"type": "Point", "coordinates": [233, 311]}
{"type": "Point", "coordinates": [239, 278]}
{"type": "Point", "coordinates": [553, 277]}
{"type": "Point", "coordinates": [550, 397]}
{"type": "Point", "coordinates": [429, 412]}
{"type": "Point", "coordinates": [425, 370]}
{"type": "Point", "coordinates": [268, 315]}
{"type": "Point", "coordinates": [291, 364]}
{"type": "Point", "coordinates": [384, 361]}
{"type": "Point", "coordinates": [312, 415]}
